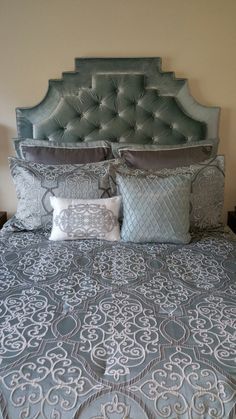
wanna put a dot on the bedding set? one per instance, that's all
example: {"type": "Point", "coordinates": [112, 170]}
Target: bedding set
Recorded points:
{"type": "Point", "coordinates": [117, 283]}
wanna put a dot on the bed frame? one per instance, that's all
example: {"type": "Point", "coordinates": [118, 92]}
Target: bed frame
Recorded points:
{"type": "Point", "coordinates": [125, 100]}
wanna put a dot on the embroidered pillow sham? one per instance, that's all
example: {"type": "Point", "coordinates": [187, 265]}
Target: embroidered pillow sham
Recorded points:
{"type": "Point", "coordinates": [35, 183]}
{"type": "Point", "coordinates": [85, 219]}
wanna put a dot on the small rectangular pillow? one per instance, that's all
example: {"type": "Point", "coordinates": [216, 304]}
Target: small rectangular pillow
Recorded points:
{"type": "Point", "coordinates": [41, 151]}
{"type": "Point", "coordinates": [35, 183]}
{"type": "Point", "coordinates": [85, 219]}
{"type": "Point", "coordinates": [152, 159]}
{"type": "Point", "coordinates": [155, 209]}
{"type": "Point", "coordinates": [207, 188]}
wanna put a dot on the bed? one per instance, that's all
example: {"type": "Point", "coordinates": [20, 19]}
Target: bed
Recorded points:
{"type": "Point", "coordinates": [136, 327]}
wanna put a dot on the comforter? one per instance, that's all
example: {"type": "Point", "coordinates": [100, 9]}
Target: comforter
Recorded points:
{"type": "Point", "coordinates": [94, 329]}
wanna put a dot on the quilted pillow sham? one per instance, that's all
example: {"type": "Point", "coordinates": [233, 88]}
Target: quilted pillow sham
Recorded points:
{"type": "Point", "coordinates": [207, 188]}
{"type": "Point", "coordinates": [85, 219]}
{"type": "Point", "coordinates": [155, 209]}
{"type": "Point", "coordinates": [36, 183]}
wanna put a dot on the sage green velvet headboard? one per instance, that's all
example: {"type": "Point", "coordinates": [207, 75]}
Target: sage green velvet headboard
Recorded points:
{"type": "Point", "coordinates": [126, 100]}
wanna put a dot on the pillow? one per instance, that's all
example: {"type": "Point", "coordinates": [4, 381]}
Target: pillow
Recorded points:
{"type": "Point", "coordinates": [85, 218]}
{"type": "Point", "coordinates": [35, 183]}
{"type": "Point", "coordinates": [155, 209]}
{"type": "Point", "coordinates": [153, 159]}
{"type": "Point", "coordinates": [207, 188]}
{"type": "Point", "coordinates": [40, 151]}
{"type": "Point", "coordinates": [208, 149]}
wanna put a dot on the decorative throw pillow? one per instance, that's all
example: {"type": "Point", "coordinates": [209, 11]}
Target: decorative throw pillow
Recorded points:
{"type": "Point", "coordinates": [207, 188]}
{"type": "Point", "coordinates": [155, 209]}
{"type": "Point", "coordinates": [36, 183]}
{"type": "Point", "coordinates": [85, 219]}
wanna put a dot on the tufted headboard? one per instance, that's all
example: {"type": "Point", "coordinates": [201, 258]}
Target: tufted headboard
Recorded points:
{"type": "Point", "coordinates": [126, 100]}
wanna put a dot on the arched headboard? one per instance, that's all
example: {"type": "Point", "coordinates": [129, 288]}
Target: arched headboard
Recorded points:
{"type": "Point", "coordinates": [126, 100]}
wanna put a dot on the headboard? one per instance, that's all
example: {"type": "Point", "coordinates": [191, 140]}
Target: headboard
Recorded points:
{"type": "Point", "coordinates": [126, 100]}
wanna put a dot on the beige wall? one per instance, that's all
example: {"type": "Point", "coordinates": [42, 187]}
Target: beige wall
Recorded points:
{"type": "Point", "coordinates": [40, 38]}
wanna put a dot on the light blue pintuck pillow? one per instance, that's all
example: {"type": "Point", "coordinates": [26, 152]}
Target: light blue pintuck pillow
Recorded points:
{"type": "Point", "coordinates": [155, 209]}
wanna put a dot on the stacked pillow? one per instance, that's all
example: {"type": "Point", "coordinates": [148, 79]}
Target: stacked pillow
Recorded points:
{"type": "Point", "coordinates": [207, 187]}
{"type": "Point", "coordinates": [161, 204]}
{"type": "Point", "coordinates": [35, 183]}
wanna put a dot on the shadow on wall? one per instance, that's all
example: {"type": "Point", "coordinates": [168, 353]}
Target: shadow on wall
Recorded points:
{"type": "Point", "coordinates": [6, 150]}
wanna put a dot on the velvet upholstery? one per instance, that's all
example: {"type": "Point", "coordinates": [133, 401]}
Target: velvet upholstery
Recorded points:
{"type": "Point", "coordinates": [119, 100]}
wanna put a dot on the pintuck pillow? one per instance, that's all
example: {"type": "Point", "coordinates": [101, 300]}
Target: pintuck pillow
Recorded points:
{"type": "Point", "coordinates": [36, 183]}
{"type": "Point", "coordinates": [155, 209]}
{"type": "Point", "coordinates": [48, 152]}
{"type": "Point", "coordinates": [207, 188]}
{"type": "Point", "coordinates": [85, 219]}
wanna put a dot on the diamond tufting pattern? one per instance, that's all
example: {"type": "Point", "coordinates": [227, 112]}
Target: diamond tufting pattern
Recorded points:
{"type": "Point", "coordinates": [118, 100]}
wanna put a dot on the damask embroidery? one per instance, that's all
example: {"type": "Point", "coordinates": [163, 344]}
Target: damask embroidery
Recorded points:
{"type": "Point", "coordinates": [170, 295]}
{"type": "Point", "coordinates": [92, 329]}
{"type": "Point", "coordinates": [74, 290]}
{"type": "Point", "coordinates": [26, 318]}
{"type": "Point", "coordinates": [213, 326]}
{"type": "Point", "coordinates": [86, 220]}
{"type": "Point", "coordinates": [118, 334]}
{"type": "Point", "coordinates": [180, 385]}
{"type": "Point", "coordinates": [215, 246]}
{"type": "Point", "coordinates": [119, 265]}
{"type": "Point", "coordinates": [34, 210]}
{"type": "Point", "coordinates": [69, 383]}
{"type": "Point", "coordinates": [37, 264]}
{"type": "Point", "coordinates": [195, 268]}
{"type": "Point", "coordinates": [114, 407]}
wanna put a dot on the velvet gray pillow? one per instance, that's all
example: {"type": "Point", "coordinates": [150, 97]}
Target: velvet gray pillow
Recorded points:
{"type": "Point", "coordinates": [155, 209]}
{"type": "Point", "coordinates": [49, 152]}
{"type": "Point", "coordinates": [36, 183]}
{"type": "Point", "coordinates": [154, 159]}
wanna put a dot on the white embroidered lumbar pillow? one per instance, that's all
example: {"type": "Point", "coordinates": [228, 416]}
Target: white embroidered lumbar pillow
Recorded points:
{"type": "Point", "coordinates": [85, 218]}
